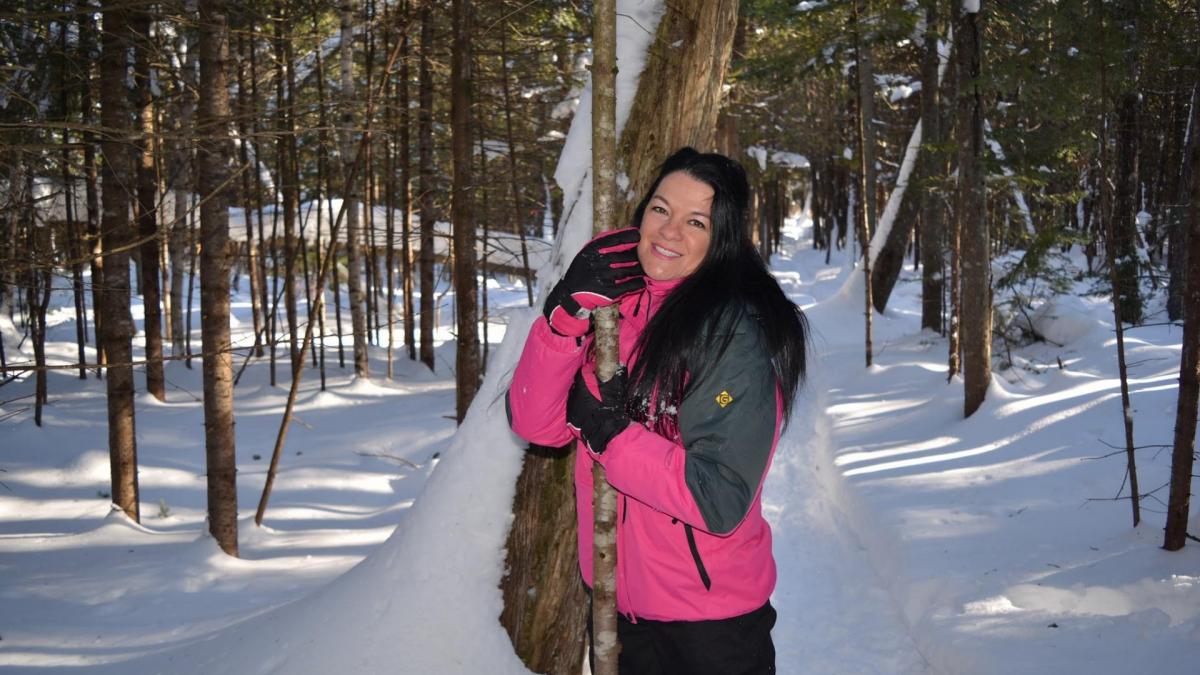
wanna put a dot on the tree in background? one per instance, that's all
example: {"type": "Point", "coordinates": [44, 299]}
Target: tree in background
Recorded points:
{"type": "Point", "coordinates": [975, 241]}
{"type": "Point", "coordinates": [116, 173]}
{"type": "Point", "coordinates": [215, 156]}
{"type": "Point", "coordinates": [467, 366]}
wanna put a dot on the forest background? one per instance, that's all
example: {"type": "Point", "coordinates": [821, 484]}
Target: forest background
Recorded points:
{"type": "Point", "coordinates": [301, 146]}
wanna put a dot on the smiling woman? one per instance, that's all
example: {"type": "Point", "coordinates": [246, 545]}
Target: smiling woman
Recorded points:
{"type": "Point", "coordinates": [716, 353]}
{"type": "Point", "coordinates": [675, 227]}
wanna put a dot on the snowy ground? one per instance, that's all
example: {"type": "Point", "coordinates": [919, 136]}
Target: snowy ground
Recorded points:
{"type": "Point", "coordinates": [908, 539]}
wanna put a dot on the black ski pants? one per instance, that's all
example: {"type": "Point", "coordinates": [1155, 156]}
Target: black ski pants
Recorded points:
{"type": "Point", "coordinates": [740, 645]}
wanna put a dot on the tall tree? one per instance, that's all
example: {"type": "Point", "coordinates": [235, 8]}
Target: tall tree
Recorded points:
{"type": "Point", "coordinates": [405, 159]}
{"type": "Point", "coordinates": [180, 245]}
{"type": "Point", "coordinates": [116, 174]}
{"type": "Point", "coordinates": [147, 211]}
{"type": "Point", "coordinates": [358, 318]}
{"type": "Point", "coordinates": [215, 154]}
{"type": "Point", "coordinates": [975, 239]}
{"type": "Point", "coordinates": [676, 104]}
{"type": "Point", "coordinates": [1183, 456]}
{"type": "Point", "coordinates": [1122, 246]}
{"type": "Point", "coordinates": [605, 643]}
{"type": "Point", "coordinates": [289, 188]}
{"type": "Point", "coordinates": [467, 370]}
{"type": "Point", "coordinates": [425, 182]}
{"type": "Point", "coordinates": [866, 158]}
{"type": "Point", "coordinates": [932, 231]}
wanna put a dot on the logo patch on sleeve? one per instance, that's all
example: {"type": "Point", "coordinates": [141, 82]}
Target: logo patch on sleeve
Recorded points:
{"type": "Point", "coordinates": [724, 399]}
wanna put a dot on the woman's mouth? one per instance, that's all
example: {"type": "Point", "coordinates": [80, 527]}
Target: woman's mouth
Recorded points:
{"type": "Point", "coordinates": [665, 252]}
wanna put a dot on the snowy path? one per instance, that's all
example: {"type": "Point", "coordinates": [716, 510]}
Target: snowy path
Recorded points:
{"type": "Point", "coordinates": [834, 614]}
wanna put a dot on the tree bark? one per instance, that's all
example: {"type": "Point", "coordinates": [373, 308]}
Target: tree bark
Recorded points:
{"type": "Point", "coordinates": [1183, 456]}
{"type": "Point", "coordinates": [676, 103]}
{"type": "Point", "coordinates": [932, 233]}
{"type": "Point", "coordinates": [406, 272]}
{"type": "Point", "coordinates": [179, 245]}
{"type": "Point", "coordinates": [87, 44]}
{"type": "Point", "coordinates": [1106, 218]}
{"type": "Point", "coordinates": [286, 176]}
{"type": "Point", "coordinates": [692, 45]}
{"type": "Point", "coordinates": [606, 646]}
{"type": "Point", "coordinates": [976, 307]}
{"type": "Point", "coordinates": [467, 371]}
{"type": "Point", "coordinates": [358, 319]}
{"type": "Point", "coordinates": [425, 184]}
{"type": "Point", "coordinates": [117, 233]}
{"type": "Point", "coordinates": [866, 156]}
{"type": "Point", "coordinates": [147, 212]}
{"type": "Point", "coordinates": [215, 153]}
{"type": "Point", "coordinates": [1122, 246]}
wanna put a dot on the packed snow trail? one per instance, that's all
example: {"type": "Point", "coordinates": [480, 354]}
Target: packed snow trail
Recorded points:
{"type": "Point", "coordinates": [834, 615]}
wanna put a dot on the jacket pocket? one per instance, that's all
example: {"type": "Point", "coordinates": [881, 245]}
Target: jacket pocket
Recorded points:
{"type": "Point", "coordinates": [691, 540]}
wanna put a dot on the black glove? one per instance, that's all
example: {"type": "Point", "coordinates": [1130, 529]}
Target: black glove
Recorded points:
{"type": "Point", "coordinates": [605, 269]}
{"type": "Point", "coordinates": [598, 421]}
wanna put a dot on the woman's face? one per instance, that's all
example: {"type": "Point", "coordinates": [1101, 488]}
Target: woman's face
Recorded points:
{"type": "Point", "coordinates": [676, 227]}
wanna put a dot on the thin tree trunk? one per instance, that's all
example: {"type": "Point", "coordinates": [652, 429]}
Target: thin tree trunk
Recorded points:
{"type": "Point", "coordinates": [87, 43]}
{"type": "Point", "coordinates": [215, 153]}
{"type": "Point", "coordinates": [147, 192]}
{"type": "Point", "coordinates": [180, 244]}
{"type": "Point", "coordinates": [425, 184]}
{"type": "Point", "coordinates": [606, 646]}
{"type": "Point", "coordinates": [191, 282]}
{"type": "Point", "coordinates": [512, 168]}
{"type": "Point", "coordinates": [1121, 246]}
{"type": "Point", "coordinates": [117, 174]}
{"type": "Point", "coordinates": [406, 188]}
{"type": "Point", "coordinates": [866, 155]}
{"type": "Point", "coordinates": [1106, 217]}
{"type": "Point", "coordinates": [389, 171]}
{"type": "Point", "coordinates": [467, 371]}
{"type": "Point", "coordinates": [245, 113]}
{"type": "Point", "coordinates": [932, 229]}
{"type": "Point", "coordinates": [286, 173]}
{"type": "Point", "coordinates": [350, 195]}
{"type": "Point", "coordinates": [74, 252]}
{"type": "Point", "coordinates": [973, 226]}
{"type": "Point", "coordinates": [484, 218]}
{"type": "Point", "coordinates": [1183, 456]}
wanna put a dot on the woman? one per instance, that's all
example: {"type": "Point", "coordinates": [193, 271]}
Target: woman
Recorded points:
{"type": "Point", "coordinates": [715, 354]}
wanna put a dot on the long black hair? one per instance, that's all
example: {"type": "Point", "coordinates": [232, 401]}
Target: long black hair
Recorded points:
{"type": "Point", "coordinates": [695, 324]}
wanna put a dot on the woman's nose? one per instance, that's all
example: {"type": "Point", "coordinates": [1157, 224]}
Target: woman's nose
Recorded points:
{"type": "Point", "coordinates": [672, 229]}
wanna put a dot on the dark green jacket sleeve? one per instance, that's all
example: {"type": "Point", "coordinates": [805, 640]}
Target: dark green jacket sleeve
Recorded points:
{"type": "Point", "coordinates": [727, 423]}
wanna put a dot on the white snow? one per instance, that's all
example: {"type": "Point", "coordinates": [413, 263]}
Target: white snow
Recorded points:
{"type": "Point", "coordinates": [909, 540]}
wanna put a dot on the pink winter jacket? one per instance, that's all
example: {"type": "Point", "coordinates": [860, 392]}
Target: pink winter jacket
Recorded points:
{"type": "Point", "coordinates": [692, 543]}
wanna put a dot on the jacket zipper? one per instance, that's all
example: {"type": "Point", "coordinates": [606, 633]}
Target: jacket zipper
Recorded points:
{"type": "Point", "coordinates": [691, 539]}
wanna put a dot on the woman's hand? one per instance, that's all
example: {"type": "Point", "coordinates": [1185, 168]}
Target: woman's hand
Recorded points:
{"type": "Point", "coordinates": [604, 270]}
{"type": "Point", "coordinates": [598, 421]}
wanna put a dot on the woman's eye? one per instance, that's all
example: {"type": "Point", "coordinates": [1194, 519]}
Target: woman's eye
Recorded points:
{"type": "Point", "coordinates": [698, 223]}
{"type": "Point", "coordinates": [658, 209]}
